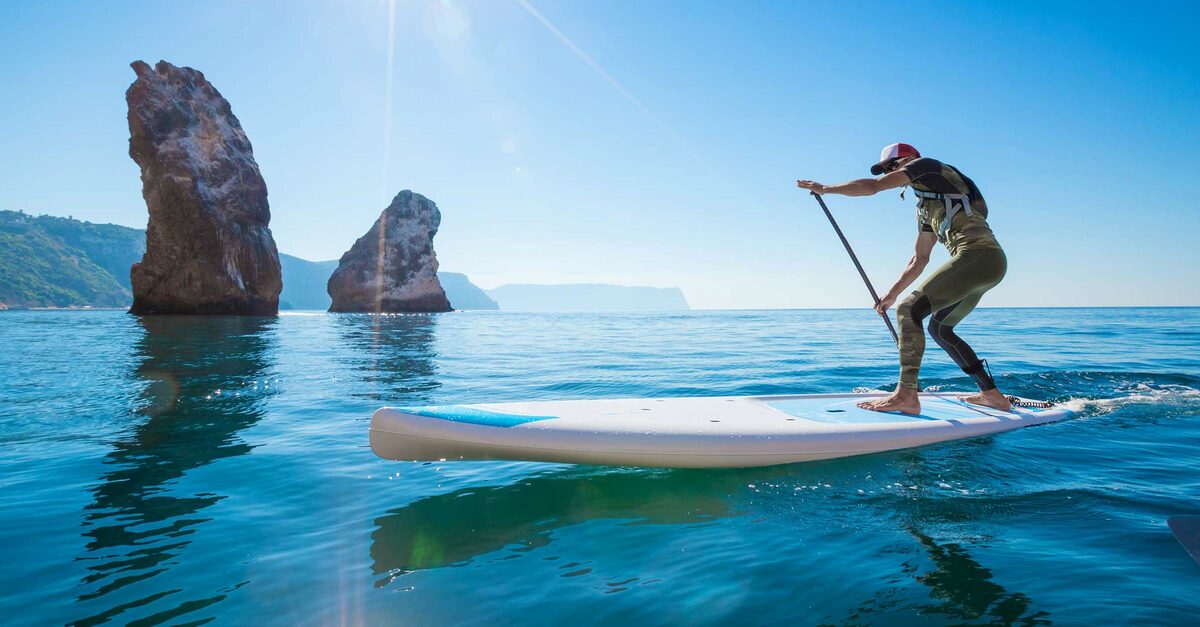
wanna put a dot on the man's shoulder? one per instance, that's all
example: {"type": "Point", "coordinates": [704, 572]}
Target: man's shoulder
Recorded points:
{"type": "Point", "coordinates": [921, 167]}
{"type": "Point", "coordinates": [924, 164]}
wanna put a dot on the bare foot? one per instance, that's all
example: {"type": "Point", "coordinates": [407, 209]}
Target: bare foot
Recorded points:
{"type": "Point", "coordinates": [875, 401]}
{"type": "Point", "coordinates": [870, 404]}
{"type": "Point", "coordinates": [902, 400]}
{"type": "Point", "coordinates": [991, 398]}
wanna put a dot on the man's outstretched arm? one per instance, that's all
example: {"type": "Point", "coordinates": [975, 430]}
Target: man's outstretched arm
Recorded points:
{"type": "Point", "coordinates": [859, 187]}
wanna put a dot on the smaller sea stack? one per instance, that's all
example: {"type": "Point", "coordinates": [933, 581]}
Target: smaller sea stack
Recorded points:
{"type": "Point", "coordinates": [393, 268]}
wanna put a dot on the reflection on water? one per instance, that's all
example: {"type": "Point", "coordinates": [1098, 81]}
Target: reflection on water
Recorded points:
{"type": "Point", "coordinates": [456, 528]}
{"type": "Point", "coordinates": [394, 353]}
{"type": "Point", "coordinates": [962, 591]}
{"type": "Point", "coordinates": [957, 588]}
{"type": "Point", "coordinates": [116, 424]}
{"type": "Point", "coordinates": [451, 529]}
{"type": "Point", "coordinates": [965, 590]}
{"type": "Point", "coordinates": [205, 380]}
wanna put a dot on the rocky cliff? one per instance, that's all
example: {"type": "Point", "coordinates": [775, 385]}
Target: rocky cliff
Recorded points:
{"type": "Point", "coordinates": [208, 246]}
{"type": "Point", "coordinates": [393, 267]}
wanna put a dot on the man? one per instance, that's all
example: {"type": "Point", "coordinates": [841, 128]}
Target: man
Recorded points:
{"type": "Point", "coordinates": [950, 209]}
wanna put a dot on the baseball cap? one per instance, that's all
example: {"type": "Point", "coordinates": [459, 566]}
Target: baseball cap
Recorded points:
{"type": "Point", "coordinates": [891, 153]}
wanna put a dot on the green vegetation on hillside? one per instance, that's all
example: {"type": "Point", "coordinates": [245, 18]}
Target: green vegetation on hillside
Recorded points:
{"type": "Point", "coordinates": [47, 261]}
{"type": "Point", "coordinates": [37, 270]}
{"type": "Point", "coordinates": [60, 262]}
{"type": "Point", "coordinates": [112, 247]}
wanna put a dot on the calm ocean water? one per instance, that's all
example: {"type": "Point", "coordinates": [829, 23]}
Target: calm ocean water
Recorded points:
{"type": "Point", "coordinates": [185, 470]}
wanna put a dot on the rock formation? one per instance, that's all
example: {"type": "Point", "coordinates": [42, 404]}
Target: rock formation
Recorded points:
{"type": "Point", "coordinates": [208, 246]}
{"type": "Point", "coordinates": [393, 267]}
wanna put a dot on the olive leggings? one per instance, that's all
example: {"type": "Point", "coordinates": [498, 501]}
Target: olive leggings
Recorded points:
{"type": "Point", "coordinates": [951, 292]}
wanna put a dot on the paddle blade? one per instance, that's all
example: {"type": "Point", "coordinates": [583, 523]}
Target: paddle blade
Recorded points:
{"type": "Point", "coordinates": [1187, 531]}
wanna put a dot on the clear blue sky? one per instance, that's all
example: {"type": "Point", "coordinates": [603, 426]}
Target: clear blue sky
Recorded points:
{"type": "Point", "coordinates": [654, 143]}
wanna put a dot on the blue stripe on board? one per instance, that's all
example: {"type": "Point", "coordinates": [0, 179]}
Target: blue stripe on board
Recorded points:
{"type": "Point", "coordinates": [472, 415]}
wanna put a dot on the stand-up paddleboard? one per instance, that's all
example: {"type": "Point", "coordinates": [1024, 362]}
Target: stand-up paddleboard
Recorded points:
{"type": "Point", "coordinates": [705, 432]}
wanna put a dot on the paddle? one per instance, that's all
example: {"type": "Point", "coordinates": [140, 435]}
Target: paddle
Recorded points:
{"type": "Point", "coordinates": [1187, 531]}
{"type": "Point", "coordinates": [854, 258]}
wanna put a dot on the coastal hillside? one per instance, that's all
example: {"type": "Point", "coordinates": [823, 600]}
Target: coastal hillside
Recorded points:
{"type": "Point", "coordinates": [47, 261]}
{"type": "Point", "coordinates": [304, 283]}
{"type": "Point", "coordinates": [463, 293]}
{"type": "Point", "coordinates": [59, 262]}
{"type": "Point", "coordinates": [587, 297]}
{"type": "Point", "coordinates": [109, 246]}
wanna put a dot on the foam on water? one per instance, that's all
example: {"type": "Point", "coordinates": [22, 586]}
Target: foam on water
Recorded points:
{"type": "Point", "coordinates": [1166, 399]}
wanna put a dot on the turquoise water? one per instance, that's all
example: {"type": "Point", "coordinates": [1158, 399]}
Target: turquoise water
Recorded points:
{"type": "Point", "coordinates": [184, 470]}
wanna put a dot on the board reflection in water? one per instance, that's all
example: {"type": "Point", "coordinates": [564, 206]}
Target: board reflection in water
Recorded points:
{"type": "Point", "coordinates": [454, 528]}
{"type": "Point", "coordinates": [206, 379]}
{"type": "Point", "coordinates": [910, 557]}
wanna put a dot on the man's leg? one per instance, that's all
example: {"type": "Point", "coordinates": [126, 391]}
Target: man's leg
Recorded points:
{"type": "Point", "coordinates": [910, 319]}
{"type": "Point", "coordinates": [954, 281]}
{"type": "Point", "coordinates": [941, 329]}
{"type": "Point", "coordinates": [910, 315]}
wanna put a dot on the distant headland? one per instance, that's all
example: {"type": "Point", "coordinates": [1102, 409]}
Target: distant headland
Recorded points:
{"type": "Point", "coordinates": [588, 297]}
{"type": "Point", "coordinates": [64, 263]}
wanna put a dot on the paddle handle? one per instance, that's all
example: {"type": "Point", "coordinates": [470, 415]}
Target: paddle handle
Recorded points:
{"type": "Point", "coordinates": [854, 258]}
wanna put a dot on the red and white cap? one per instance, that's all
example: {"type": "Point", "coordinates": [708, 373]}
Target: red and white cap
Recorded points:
{"type": "Point", "coordinates": [890, 154]}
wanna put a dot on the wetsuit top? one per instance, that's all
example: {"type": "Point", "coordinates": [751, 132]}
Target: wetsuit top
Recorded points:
{"type": "Point", "coordinates": [967, 230]}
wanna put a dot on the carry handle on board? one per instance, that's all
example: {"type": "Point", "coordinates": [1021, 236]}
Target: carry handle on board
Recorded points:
{"type": "Point", "coordinates": [861, 272]}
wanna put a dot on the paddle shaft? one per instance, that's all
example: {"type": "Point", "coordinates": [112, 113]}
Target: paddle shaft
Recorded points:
{"type": "Point", "coordinates": [854, 258]}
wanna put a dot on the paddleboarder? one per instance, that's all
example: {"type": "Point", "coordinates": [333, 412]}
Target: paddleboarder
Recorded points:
{"type": "Point", "coordinates": [950, 209]}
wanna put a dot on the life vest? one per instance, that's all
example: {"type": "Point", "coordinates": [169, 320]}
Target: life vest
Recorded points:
{"type": "Point", "coordinates": [953, 202]}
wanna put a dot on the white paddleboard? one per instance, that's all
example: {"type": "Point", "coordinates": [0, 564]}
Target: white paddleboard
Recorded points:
{"type": "Point", "coordinates": [705, 432]}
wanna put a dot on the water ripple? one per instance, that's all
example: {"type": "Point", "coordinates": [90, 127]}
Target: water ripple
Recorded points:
{"type": "Point", "coordinates": [185, 470]}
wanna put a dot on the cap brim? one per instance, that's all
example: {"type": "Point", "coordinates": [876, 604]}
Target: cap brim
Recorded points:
{"type": "Point", "coordinates": [882, 166]}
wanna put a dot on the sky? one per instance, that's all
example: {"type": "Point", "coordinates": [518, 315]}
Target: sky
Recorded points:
{"type": "Point", "coordinates": [653, 143]}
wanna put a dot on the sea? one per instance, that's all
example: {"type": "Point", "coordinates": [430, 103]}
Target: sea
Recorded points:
{"type": "Point", "coordinates": [216, 470]}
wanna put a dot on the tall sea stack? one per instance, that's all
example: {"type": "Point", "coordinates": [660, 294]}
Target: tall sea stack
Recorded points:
{"type": "Point", "coordinates": [208, 246]}
{"type": "Point", "coordinates": [393, 267]}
